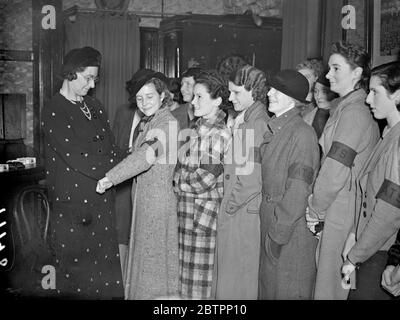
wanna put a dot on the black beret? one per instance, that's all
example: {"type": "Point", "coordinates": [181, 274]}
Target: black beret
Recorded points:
{"type": "Point", "coordinates": [81, 58]}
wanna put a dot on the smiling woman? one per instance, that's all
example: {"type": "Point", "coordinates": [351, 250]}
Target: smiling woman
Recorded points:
{"type": "Point", "coordinates": [345, 149]}
{"type": "Point", "coordinates": [152, 261]}
{"type": "Point", "coordinates": [79, 150]}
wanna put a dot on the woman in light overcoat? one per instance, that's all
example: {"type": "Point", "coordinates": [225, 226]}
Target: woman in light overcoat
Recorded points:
{"type": "Point", "coordinates": [378, 191]}
{"type": "Point", "coordinates": [152, 260]}
{"type": "Point", "coordinates": [349, 136]}
{"type": "Point", "coordinates": [238, 231]}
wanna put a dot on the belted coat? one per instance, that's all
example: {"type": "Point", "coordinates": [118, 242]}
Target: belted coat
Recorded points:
{"type": "Point", "coordinates": [290, 160]}
{"type": "Point", "coordinates": [378, 199]}
{"type": "Point", "coordinates": [349, 137]}
{"type": "Point", "coordinates": [238, 230]}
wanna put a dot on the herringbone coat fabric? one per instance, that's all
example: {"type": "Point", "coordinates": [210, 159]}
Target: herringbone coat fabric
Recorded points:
{"type": "Point", "coordinates": [152, 260]}
{"type": "Point", "coordinates": [198, 183]}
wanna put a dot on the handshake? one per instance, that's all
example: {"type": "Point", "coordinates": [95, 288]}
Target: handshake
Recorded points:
{"type": "Point", "coordinates": [103, 185]}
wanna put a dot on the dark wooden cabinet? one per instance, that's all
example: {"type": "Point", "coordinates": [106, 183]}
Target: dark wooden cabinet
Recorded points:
{"type": "Point", "coordinates": [206, 40]}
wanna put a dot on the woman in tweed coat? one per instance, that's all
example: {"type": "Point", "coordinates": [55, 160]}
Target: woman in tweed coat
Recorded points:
{"type": "Point", "coordinates": [152, 260]}
{"type": "Point", "coordinates": [199, 185]}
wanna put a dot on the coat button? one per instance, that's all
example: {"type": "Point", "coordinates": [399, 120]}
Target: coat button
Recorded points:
{"type": "Point", "coordinates": [364, 214]}
{"type": "Point", "coordinates": [364, 204]}
{"type": "Point", "coordinates": [268, 198]}
{"type": "Point", "coordinates": [227, 176]}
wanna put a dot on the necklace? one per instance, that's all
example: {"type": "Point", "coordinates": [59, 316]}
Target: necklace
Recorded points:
{"type": "Point", "coordinates": [86, 111]}
{"type": "Point", "coordinates": [84, 108]}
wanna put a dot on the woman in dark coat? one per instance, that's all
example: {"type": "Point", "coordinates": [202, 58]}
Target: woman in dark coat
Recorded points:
{"type": "Point", "coordinates": [79, 150]}
{"type": "Point", "coordinates": [289, 165]}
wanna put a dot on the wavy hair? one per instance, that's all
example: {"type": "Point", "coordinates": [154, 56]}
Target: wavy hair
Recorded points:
{"type": "Point", "coordinates": [252, 79]}
{"type": "Point", "coordinates": [216, 86]}
{"type": "Point", "coordinates": [355, 56]}
{"type": "Point", "coordinates": [161, 87]}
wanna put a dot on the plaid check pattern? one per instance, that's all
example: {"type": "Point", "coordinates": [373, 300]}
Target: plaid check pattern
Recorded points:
{"type": "Point", "coordinates": [198, 183]}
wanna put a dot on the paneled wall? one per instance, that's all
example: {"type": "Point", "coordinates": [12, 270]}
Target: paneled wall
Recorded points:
{"type": "Point", "coordinates": [16, 76]}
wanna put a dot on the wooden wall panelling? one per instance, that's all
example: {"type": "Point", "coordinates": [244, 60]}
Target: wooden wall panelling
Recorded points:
{"type": "Point", "coordinates": [48, 52]}
{"type": "Point", "coordinates": [206, 39]}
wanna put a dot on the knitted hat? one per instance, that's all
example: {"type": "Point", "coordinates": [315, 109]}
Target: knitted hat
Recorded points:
{"type": "Point", "coordinates": [292, 83]}
{"type": "Point", "coordinates": [80, 58]}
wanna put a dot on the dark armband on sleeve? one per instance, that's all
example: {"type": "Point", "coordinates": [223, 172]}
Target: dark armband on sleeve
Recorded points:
{"type": "Point", "coordinates": [301, 172]}
{"type": "Point", "coordinates": [215, 169]}
{"type": "Point", "coordinates": [390, 193]}
{"type": "Point", "coordinates": [150, 143]}
{"type": "Point", "coordinates": [257, 155]}
{"type": "Point", "coordinates": [342, 153]}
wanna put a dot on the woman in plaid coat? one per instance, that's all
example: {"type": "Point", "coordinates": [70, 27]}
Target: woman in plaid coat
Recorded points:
{"type": "Point", "coordinates": [198, 183]}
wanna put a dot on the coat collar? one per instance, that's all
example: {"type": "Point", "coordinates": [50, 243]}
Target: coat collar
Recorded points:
{"type": "Point", "coordinates": [378, 151]}
{"type": "Point", "coordinates": [351, 97]}
{"type": "Point", "coordinates": [253, 110]}
{"type": "Point", "coordinates": [218, 121]}
{"type": "Point", "coordinates": [277, 123]}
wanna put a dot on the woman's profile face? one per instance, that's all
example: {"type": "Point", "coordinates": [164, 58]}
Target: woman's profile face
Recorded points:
{"type": "Point", "coordinates": [203, 105]}
{"type": "Point", "coordinates": [148, 99]}
{"type": "Point", "coordinates": [279, 102]}
{"type": "Point", "coordinates": [381, 102]}
{"type": "Point", "coordinates": [84, 81]}
{"type": "Point", "coordinates": [341, 75]}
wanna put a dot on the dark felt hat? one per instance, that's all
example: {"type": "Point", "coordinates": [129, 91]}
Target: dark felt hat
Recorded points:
{"type": "Point", "coordinates": [292, 83]}
{"type": "Point", "coordinates": [323, 80]}
{"type": "Point", "coordinates": [130, 84]}
{"type": "Point", "coordinates": [143, 76]}
{"type": "Point", "coordinates": [80, 58]}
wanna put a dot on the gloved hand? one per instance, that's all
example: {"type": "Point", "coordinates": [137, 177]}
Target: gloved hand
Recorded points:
{"type": "Point", "coordinates": [103, 185]}
{"type": "Point", "coordinates": [391, 280]}
{"type": "Point", "coordinates": [348, 275]}
{"type": "Point", "coordinates": [315, 225]}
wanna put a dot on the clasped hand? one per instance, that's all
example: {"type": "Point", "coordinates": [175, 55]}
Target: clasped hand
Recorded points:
{"type": "Point", "coordinates": [391, 280]}
{"type": "Point", "coordinates": [103, 185]}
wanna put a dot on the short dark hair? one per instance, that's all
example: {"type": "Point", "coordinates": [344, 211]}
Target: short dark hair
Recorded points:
{"type": "Point", "coordinates": [191, 72]}
{"type": "Point", "coordinates": [389, 74]}
{"type": "Point", "coordinates": [356, 56]}
{"type": "Point", "coordinates": [216, 85]}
